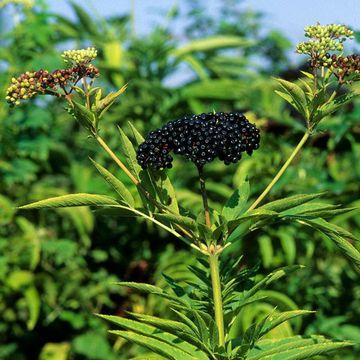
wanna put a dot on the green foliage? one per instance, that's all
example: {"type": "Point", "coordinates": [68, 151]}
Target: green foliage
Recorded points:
{"type": "Point", "coordinates": [56, 268]}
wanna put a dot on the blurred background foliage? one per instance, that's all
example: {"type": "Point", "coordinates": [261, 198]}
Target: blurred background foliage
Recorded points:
{"type": "Point", "coordinates": [57, 268]}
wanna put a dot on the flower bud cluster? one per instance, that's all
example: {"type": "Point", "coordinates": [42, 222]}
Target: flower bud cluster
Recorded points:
{"type": "Point", "coordinates": [332, 31]}
{"type": "Point", "coordinates": [201, 139]}
{"type": "Point", "coordinates": [82, 56]}
{"type": "Point", "coordinates": [323, 39]}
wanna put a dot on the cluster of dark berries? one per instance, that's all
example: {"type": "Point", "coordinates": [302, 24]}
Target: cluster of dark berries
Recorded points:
{"type": "Point", "coordinates": [201, 139]}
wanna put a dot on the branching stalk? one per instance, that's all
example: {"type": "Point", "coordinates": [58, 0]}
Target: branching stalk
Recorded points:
{"type": "Point", "coordinates": [134, 180]}
{"type": "Point", "coordinates": [281, 172]}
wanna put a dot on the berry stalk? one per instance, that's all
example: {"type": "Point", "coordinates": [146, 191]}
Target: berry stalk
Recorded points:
{"type": "Point", "coordinates": [204, 196]}
{"type": "Point", "coordinates": [280, 172]}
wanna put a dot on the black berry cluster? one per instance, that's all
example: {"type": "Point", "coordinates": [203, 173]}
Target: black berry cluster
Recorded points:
{"type": "Point", "coordinates": [201, 139]}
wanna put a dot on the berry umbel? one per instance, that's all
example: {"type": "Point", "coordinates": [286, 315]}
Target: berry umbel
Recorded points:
{"type": "Point", "coordinates": [201, 139]}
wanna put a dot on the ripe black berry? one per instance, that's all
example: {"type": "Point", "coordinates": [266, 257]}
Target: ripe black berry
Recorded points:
{"type": "Point", "coordinates": [201, 139]}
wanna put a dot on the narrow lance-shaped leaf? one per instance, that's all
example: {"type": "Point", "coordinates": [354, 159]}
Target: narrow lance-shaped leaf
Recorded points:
{"type": "Point", "coordinates": [167, 333]}
{"type": "Point", "coordinates": [298, 97]}
{"type": "Point", "coordinates": [289, 202]}
{"type": "Point", "coordinates": [85, 117]}
{"type": "Point", "coordinates": [308, 352]}
{"type": "Point", "coordinates": [275, 275]}
{"type": "Point", "coordinates": [151, 289]}
{"type": "Point", "coordinates": [130, 154]}
{"type": "Point", "coordinates": [275, 320]}
{"type": "Point", "coordinates": [266, 347]}
{"type": "Point", "coordinates": [186, 222]}
{"type": "Point", "coordinates": [103, 105]}
{"type": "Point", "coordinates": [81, 199]}
{"type": "Point", "coordinates": [155, 345]}
{"type": "Point", "coordinates": [116, 184]}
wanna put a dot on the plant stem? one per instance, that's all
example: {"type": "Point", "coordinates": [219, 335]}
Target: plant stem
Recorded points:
{"type": "Point", "coordinates": [281, 172]}
{"type": "Point", "coordinates": [123, 167]}
{"type": "Point", "coordinates": [214, 266]}
{"type": "Point", "coordinates": [204, 196]}
{"type": "Point", "coordinates": [103, 144]}
{"type": "Point", "coordinates": [216, 287]}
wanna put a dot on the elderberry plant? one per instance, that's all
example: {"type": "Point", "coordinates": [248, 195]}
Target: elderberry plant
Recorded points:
{"type": "Point", "coordinates": [206, 309]}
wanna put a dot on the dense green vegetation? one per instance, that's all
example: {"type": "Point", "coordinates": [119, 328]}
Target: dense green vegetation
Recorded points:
{"type": "Point", "coordinates": [57, 268]}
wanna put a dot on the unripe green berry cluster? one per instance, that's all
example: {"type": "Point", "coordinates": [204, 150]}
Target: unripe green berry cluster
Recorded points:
{"type": "Point", "coordinates": [332, 31]}
{"type": "Point", "coordinates": [82, 56]}
{"type": "Point", "coordinates": [323, 39]}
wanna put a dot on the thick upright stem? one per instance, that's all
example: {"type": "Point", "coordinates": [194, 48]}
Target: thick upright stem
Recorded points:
{"type": "Point", "coordinates": [281, 172]}
{"type": "Point", "coordinates": [204, 196]}
{"type": "Point", "coordinates": [216, 287]}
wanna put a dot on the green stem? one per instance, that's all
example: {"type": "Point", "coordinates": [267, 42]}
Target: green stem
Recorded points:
{"type": "Point", "coordinates": [123, 167]}
{"type": "Point", "coordinates": [281, 172]}
{"type": "Point", "coordinates": [216, 287]}
{"type": "Point", "coordinates": [204, 196]}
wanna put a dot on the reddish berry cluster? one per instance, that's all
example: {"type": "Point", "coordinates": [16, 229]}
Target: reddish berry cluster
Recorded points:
{"type": "Point", "coordinates": [30, 84]}
{"type": "Point", "coordinates": [201, 139]}
{"type": "Point", "coordinates": [346, 68]}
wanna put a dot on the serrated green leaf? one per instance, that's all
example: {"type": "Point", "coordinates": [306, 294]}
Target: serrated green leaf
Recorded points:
{"type": "Point", "coordinates": [186, 222]}
{"type": "Point", "coordinates": [298, 97]}
{"type": "Point", "coordinates": [307, 352]}
{"type": "Point", "coordinates": [81, 199]}
{"type": "Point", "coordinates": [237, 202]}
{"type": "Point", "coordinates": [273, 276]}
{"type": "Point", "coordinates": [137, 136]}
{"type": "Point", "coordinates": [164, 330]}
{"type": "Point", "coordinates": [277, 319]}
{"type": "Point", "coordinates": [157, 346]}
{"type": "Point", "coordinates": [252, 217]}
{"type": "Point", "coordinates": [151, 289]}
{"type": "Point", "coordinates": [164, 189]}
{"type": "Point", "coordinates": [116, 184]}
{"type": "Point", "coordinates": [269, 347]}
{"type": "Point", "coordinates": [85, 117]}
{"type": "Point", "coordinates": [289, 202]}
{"type": "Point", "coordinates": [130, 154]}
{"type": "Point", "coordinates": [337, 234]}
{"type": "Point", "coordinates": [103, 105]}
{"type": "Point", "coordinates": [334, 105]}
